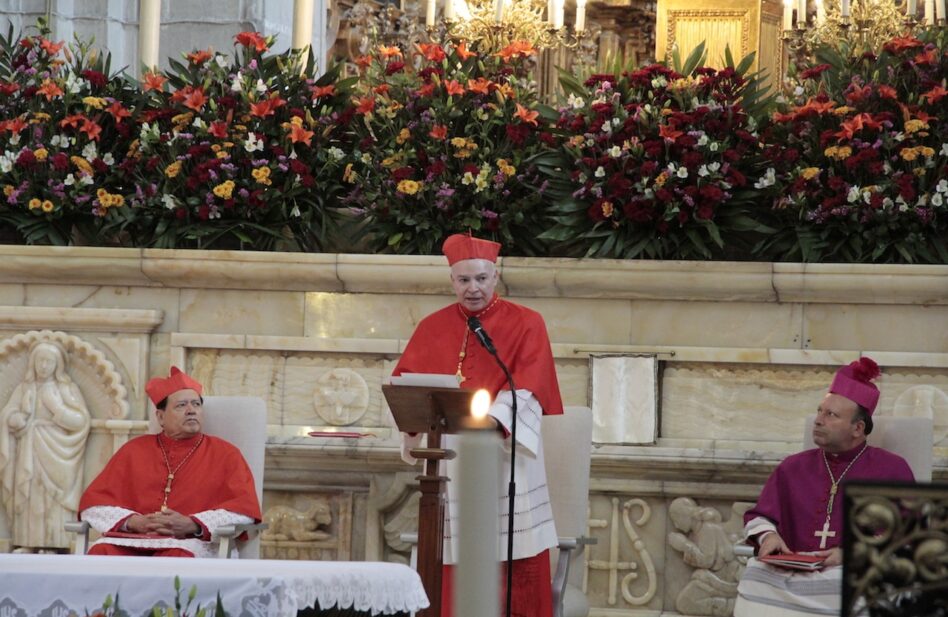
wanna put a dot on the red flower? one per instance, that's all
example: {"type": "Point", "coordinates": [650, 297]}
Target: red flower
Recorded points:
{"type": "Point", "coordinates": [900, 44]}
{"type": "Point", "coordinates": [525, 115]}
{"type": "Point", "coordinates": [51, 48]}
{"type": "Point", "coordinates": [462, 51]}
{"type": "Point", "coordinates": [439, 132]}
{"type": "Point", "coordinates": [300, 135]}
{"type": "Point", "coordinates": [9, 88]}
{"type": "Point", "coordinates": [218, 129]}
{"type": "Point", "coordinates": [195, 99]}
{"type": "Point", "coordinates": [252, 39]}
{"type": "Point", "coordinates": [453, 88]}
{"type": "Point", "coordinates": [395, 66]}
{"type": "Point", "coordinates": [814, 71]}
{"type": "Point", "coordinates": [200, 57]}
{"type": "Point", "coordinates": [95, 78]}
{"type": "Point", "coordinates": [153, 81]}
{"type": "Point", "coordinates": [321, 91]}
{"type": "Point", "coordinates": [267, 107]}
{"type": "Point", "coordinates": [365, 105]}
{"type": "Point", "coordinates": [935, 94]}
{"type": "Point", "coordinates": [118, 112]}
{"type": "Point", "coordinates": [431, 51]}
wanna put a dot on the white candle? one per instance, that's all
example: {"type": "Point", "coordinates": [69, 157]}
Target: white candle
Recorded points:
{"type": "Point", "coordinates": [911, 8]}
{"type": "Point", "coordinates": [302, 24]}
{"type": "Point", "coordinates": [560, 12]}
{"type": "Point", "coordinates": [820, 13]}
{"type": "Point", "coordinates": [149, 32]}
{"type": "Point", "coordinates": [930, 12]}
{"type": "Point", "coordinates": [787, 14]}
{"type": "Point", "coordinates": [499, 7]}
{"type": "Point", "coordinates": [801, 14]}
{"type": "Point", "coordinates": [844, 9]}
{"type": "Point", "coordinates": [430, 13]}
{"type": "Point", "coordinates": [477, 584]}
{"type": "Point", "coordinates": [449, 10]}
{"type": "Point", "coordinates": [941, 10]}
{"type": "Point", "coordinates": [580, 15]}
{"type": "Point", "coordinates": [550, 11]}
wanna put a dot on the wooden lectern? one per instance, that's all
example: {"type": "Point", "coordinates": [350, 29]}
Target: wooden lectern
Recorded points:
{"type": "Point", "coordinates": [435, 411]}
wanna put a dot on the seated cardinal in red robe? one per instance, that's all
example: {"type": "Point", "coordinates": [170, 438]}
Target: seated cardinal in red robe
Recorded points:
{"type": "Point", "coordinates": [800, 509]}
{"type": "Point", "coordinates": [165, 494]}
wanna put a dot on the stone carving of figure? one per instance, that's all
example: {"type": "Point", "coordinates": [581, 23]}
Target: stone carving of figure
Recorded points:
{"type": "Point", "coordinates": [708, 546]}
{"type": "Point", "coordinates": [286, 523]}
{"type": "Point", "coordinates": [43, 431]}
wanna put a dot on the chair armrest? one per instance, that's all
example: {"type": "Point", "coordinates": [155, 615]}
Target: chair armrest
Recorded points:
{"type": "Point", "coordinates": [228, 534]}
{"type": "Point", "coordinates": [743, 550]}
{"type": "Point", "coordinates": [566, 545]}
{"type": "Point", "coordinates": [81, 529]}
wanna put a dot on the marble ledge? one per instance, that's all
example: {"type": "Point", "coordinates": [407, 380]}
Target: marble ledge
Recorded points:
{"type": "Point", "coordinates": [520, 277]}
{"type": "Point", "coordinates": [80, 319]}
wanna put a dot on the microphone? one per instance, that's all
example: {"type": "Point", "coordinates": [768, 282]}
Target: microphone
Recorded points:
{"type": "Point", "coordinates": [474, 325]}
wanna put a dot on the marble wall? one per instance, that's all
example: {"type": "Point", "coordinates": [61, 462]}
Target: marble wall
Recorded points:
{"type": "Point", "coordinates": [699, 375]}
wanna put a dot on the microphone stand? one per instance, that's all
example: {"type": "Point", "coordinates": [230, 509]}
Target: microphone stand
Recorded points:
{"type": "Point", "coordinates": [512, 485]}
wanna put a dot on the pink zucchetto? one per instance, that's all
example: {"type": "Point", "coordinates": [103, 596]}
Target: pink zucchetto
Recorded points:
{"type": "Point", "coordinates": [459, 247]}
{"type": "Point", "coordinates": [160, 388]}
{"type": "Point", "coordinates": [854, 381]}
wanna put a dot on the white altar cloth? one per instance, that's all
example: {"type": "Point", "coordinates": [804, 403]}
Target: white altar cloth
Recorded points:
{"type": "Point", "coordinates": [55, 585]}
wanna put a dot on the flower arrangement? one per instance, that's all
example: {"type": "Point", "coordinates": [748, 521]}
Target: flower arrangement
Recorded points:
{"type": "Point", "coordinates": [860, 158]}
{"type": "Point", "coordinates": [443, 143]}
{"type": "Point", "coordinates": [242, 152]}
{"type": "Point", "coordinates": [111, 608]}
{"type": "Point", "coordinates": [64, 130]}
{"type": "Point", "coordinates": [661, 163]}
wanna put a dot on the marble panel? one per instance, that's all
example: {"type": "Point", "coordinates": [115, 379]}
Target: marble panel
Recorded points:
{"type": "Point", "coordinates": [876, 328]}
{"type": "Point", "coordinates": [249, 312]}
{"type": "Point", "coordinates": [861, 283]}
{"type": "Point", "coordinates": [12, 294]}
{"type": "Point", "coordinates": [624, 399]}
{"type": "Point", "coordinates": [704, 401]}
{"type": "Point", "coordinates": [589, 321]}
{"type": "Point", "coordinates": [330, 315]}
{"type": "Point", "coordinates": [416, 274]}
{"type": "Point", "coordinates": [324, 345]}
{"type": "Point", "coordinates": [241, 373]}
{"type": "Point", "coordinates": [573, 375]}
{"type": "Point", "coordinates": [307, 526]}
{"type": "Point", "coordinates": [332, 390]}
{"type": "Point", "coordinates": [917, 393]}
{"type": "Point", "coordinates": [715, 324]}
{"type": "Point", "coordinates": [108, 297]}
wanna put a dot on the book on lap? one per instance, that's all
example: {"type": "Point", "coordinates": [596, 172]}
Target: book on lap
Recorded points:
{"type": "Point", "coordinates": [794, 561]}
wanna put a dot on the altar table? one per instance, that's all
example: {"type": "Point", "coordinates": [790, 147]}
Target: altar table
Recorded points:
{"type": "Point", "coordinates": [60, 585]}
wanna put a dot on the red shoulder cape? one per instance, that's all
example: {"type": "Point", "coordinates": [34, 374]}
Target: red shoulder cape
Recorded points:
{"type": "Point", "coordinates": [519, 336]}
{"type": "Point", "coordinates": [214, 477]}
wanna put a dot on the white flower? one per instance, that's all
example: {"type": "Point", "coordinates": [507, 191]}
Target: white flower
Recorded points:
{"type": "Point", "coordinates": [854, 194]}
{"type": "Point", "coordinates": [703, 171]}
{"type": "Point", "coordinates": [714, 147]}
{"type": "Point", "coordinates": [6, 163]}
{"type": "Point", "coordinates": [252, 143]}
{"type": "Point", "coordinates": [198, 123]}
{"type": "Point", "coordinates": [703, 140]}
{"type": "Point", "coordinates": [108, 159]}
{"type": "Point", "coordinates": [769, 179]}
{"type": "Point", "coordinates": [467, 178]}
{"type": "Point", "coordinates": [86, 179]}
{"type": "Point", "coordinates": [90, 152]}
{"type": "Point", "coordinates": [221, 60]}
{"type": "Point", "coordinates": [607, 128]}
{"type": "Point", "coordinates": [649, 193]}
{"type": "Point", "coordinates": [682, 172]}
{"type": "Point", "coordinates": [73, 83]}
{"type": "Point", "coordinates": [600, 172]}
{"type": "Point", "coordinates": [236, 85]}
{"type": "Point", "coordinates": [942, 186]}
{"type": "Point", "coordinates": [714, 167]}
{"type": "Point", "coordinates": [582, 178]}
{"type": "Point", "coordinates": [14, 139]}
{"type": "Point", "coordinates": [366, 158]}
{"type": "Point", "coordinates": [944, 149]}
{"type": "Point", "coordinates": [169, 201]}
{"type": "Point", "coordinates": [616, 122]}
{"type": "Point", "coordinates": [887, 203]}
{"type": "Point", "coordinates": [295, 212]}
{"type": "Point", "coordinates": [336, 154]}
{"type": "Point", "coordinates": [576, 102]}
{"type": "Point", "coordinates": [903, 208]}
{"type": "Point", "coordinates": [615, 151]}
{"type": "Point", "coordinates": [798, 91]}
{"type": "Point", "coordinates": [70, 180]}
{"type": "Point", "coordinates": [58, 140]}
{"type": "Point", "coordinates": [261, 87]}
{"type": "Point", "coordinates": [659, 82]}
{"type": "Point", "coordinates": [937, 199]}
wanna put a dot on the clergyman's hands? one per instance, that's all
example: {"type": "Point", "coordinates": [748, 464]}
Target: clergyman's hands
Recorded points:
{"type": "Point", "coordinates": [169, 523]}
{"type": "Point", "coordinates": [831, 557]}
{"type": "Point", "coordinates": [771, 543]}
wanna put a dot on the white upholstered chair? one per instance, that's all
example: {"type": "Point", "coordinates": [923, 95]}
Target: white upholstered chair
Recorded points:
{"type": "Point", "coordinates": [241, 420]}
{"type": "Point", "coordinates": [567, 448]}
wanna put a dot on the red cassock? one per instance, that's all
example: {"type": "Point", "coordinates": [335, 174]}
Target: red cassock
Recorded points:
{"type": "Point", "coordinates": [215, 477]}
{"type": "Point", "coordinates": [519, 336]}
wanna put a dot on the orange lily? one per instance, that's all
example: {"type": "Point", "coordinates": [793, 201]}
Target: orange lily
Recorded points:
{"type": "Point", "coordinates": [364, 61]}
{"type": "Point", "coordinates": [195, 99]}
{"type": "Point", "coordinates": [439, 132]}
{"type": "Point", "coordinates": [857, 123]}
{"type": "Point", "coordinates": [525, 115]}
{"type": "Point", "coordinates": [50, 90]}
{"type": "Point", "coordinates": [381, 89]}
{"type": "Point", "coordinates": [431, 51]}
{"type": "Point", "coordinates": [480, 85]}
{"type": "Point", "coordinates": [426, 89]}
{"type": "Point", "coordinates": [365, 105]}
{"type": "Point", "coordinates": [390, 52]}
{"type": "Point", "coordinates": [200, 57]}
{"type": "Point", "coordinates": [153, 81]}
{"type": "Point", "coordinates": [887, 92]}
{"type": "Point", "coordinates": [929, 56]}
{"type": "Point", "coordinates": [50, 47]}
{"type": "Point", "coordinates": [462, 51]}
{"type": "Point", "coordinates": [320, 91]}
{"type": "Point", "coordinates": [668, 132]}
{"type": "Point", "coordinates": [453, 88]}
{"type": "Point", "coordinates": [934, 95]}
{"type": "Point", "coordinates": [517, 48]}
{"type": "Point", "coordinates": [901, 43]}
{"type": "Point", "coordinates": [252, 39]}
{"type": "Point", "coordinates": [118, 112]}
{"type": "Point", "coordinates": [72, 120]}
{"type": "Point", "coordinates": [15, 125]}
{"type": "Point", "coordinates": [299, 134]}
{"type": "Point", "coordinates": [91, 129]}
{"type": "Point", "coordinates": [267, 107]}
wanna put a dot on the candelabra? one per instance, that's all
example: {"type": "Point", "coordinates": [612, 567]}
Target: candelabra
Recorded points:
{"type": "Point", "coordinates": [492, 25]}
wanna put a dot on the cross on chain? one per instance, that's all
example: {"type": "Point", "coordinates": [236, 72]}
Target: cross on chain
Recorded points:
{"type": "Point", "coordinates": [824, 534]}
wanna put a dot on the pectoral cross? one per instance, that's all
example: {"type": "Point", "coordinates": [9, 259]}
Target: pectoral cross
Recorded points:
{"type": "Point", "coordinates": [825, 533]}
{"type": "Point", "coordinates": [164, 503]}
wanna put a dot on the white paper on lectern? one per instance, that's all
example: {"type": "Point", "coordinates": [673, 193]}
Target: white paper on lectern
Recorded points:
{"type": "Point", "coordinates": [429, 380]}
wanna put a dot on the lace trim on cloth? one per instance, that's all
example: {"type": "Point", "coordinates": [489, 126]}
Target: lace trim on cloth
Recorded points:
{"type": "Point", "coordinates": [365, 591]}
{"type": "Point", "coordinates": [104, 518]}
{"type": "Point", "coordinates": [212, 519]}
{"type": "Point", "coordinates": [529, 414]}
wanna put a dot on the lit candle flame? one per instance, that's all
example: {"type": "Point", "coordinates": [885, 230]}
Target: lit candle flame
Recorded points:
{"type": "Point", "coordinates": [480, 404]}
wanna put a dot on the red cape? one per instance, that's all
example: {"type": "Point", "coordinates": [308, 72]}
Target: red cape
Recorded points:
{"type": "Point", "coordinates": [214, 477]}
{"type": "Point", "coordinates": [519, 336]}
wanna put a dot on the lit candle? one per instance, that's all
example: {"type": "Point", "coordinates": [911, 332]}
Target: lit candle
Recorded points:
{"type": "Point", "coordinates": [930, 12]}
{"type": "Point", "coordinates": [499, 6]}
{"type": "Point", "coordinates": [911, 8]}
{"type": "Point", "coordinates": [580, 15]}
{"type": "Point", "coordinates": [448, 10]}
{"type": "Point", "coordinates": [787, 14]}
{"type": "Point", "coordinates": [149, 32]}
{"type": "Point", "coordinates": [844, 9]}
{"type": "Point", "coordinates": [477, 583]}
{"type": "Point", "coordinates": [430, 13]}
{"type": "Point", "coordinates": [302, 24]}
{"type": "Point", "coordinates": [801, 14]}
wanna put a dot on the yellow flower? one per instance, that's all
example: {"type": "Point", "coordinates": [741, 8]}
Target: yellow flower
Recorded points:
{"type": "Point", "coordinates": [577, 141]}
{"type": "Point", "coordinates": [41, 116]}
{"type": "Point", "coordinates": [661, 179]}
{"type": "Point", "coordinates": [94, 102]}
{"type": "Point", "coordinates": [173, 169]}
{"type": "Point", "coordinates": [35, 203]}
{"type": "Point", "coordinates": [909, 154]}
{"type": "Point", "coordinates": [348, 175]}
{"type": "Point", "coordinates": [810, 172]}
{"type": "Point", "coordinates": [47, 206]}
{"type": "Point", "coordinates": [223, 154]}
{"type": "Point", "coordinates": [506, 168]}
{"type": "Point", "coordinates": [838, 152]}
{"type": "Point", "coordinates": [607, 209]}
{"type": "Point", "coordinates": [262, 175]}
{"type": "Point", "coordinates": [919, 171]}
{"type": "Point", "coordinates": [224, 189]}
{"type": "Point", "coordinates": [81, 164]}
{"type": "Point", "coordinates": [926, 151]}
{"type": "Point", "coordinates": [458, 142]}
{"type": "Point", "coordinates": [408, 187]}
{"type": "Point", "coordinates": [403, 136]}
{"type": "Point", "coordinates": [8, 190]}
{"type": "Point", "coordinates": [913, 126]}
{"type": "Point", "coordinates": [41, 154]}
{"type": "Point", "coordinates": [296, 120]}
{"type": "Point", "coordinates": [842, 111]}
{"type": "Point", "coordinates": [182, 118]}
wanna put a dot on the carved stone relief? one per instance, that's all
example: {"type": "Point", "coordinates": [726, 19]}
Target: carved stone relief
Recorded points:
{"type": "Point", "coordinates": [630, 575]}
{"type": "Point", "coordinates": [706, 543]}
{"type": "Point", "coordinates": [925, 401]}
{"type": "Point", "coordinates": [393, 504]}
{"type": "Point", "coordinates": [341, 396]}
{"type": "Point", "coordinates": [51, 387]}
{"type": "Point", "coordinates": [308, 527]}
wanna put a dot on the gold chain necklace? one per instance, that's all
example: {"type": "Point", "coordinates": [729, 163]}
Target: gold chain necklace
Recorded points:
{"type": "Point", "coordinates": [834, 487]}
{"type": "Point", "coordinates": [463, 353]}
{"type": "Point", "coordinates": [170, 479]}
